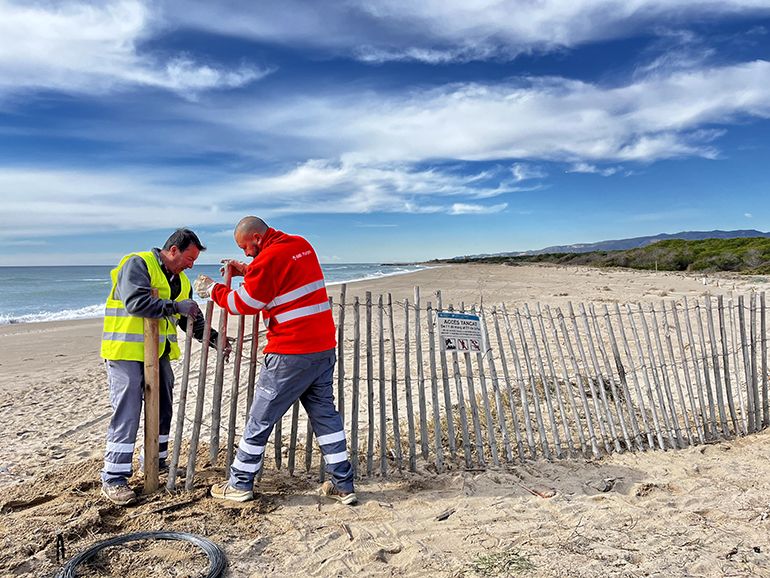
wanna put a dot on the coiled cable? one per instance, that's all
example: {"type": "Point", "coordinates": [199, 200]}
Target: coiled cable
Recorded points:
{"type": "Point", "coordinates": [217, 559]}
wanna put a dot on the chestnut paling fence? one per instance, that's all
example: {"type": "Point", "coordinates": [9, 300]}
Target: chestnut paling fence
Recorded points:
{"type": "Point", "coordinates": [585, 380]}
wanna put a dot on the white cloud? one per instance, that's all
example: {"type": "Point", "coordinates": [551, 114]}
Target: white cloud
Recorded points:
{"type": "Point", "coordinates": [82, 47]}
{"type": "Point", "coordinates": [657, 117]}
{"type": "Point", "coordinates": [749, 215]}
{"type": "Point", "coordinates": [440, 31]}
{"type": "Point", "coordinates": [587, 168]}
{"type": "Point", "coordinates": [466, 209]}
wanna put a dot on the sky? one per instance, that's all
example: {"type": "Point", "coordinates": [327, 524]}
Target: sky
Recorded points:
{"type": "Point", "coordinates": [380, 130]}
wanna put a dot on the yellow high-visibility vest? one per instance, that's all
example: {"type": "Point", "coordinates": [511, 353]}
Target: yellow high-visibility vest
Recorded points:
{"type": "Point", "coordinates": [123, 337]}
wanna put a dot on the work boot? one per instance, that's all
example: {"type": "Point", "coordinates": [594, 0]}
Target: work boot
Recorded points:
{"type": "Point", "coordinates": [120, 494]}
{"type": "Point", "coordinates": [330, 491]}
{"type": "Point", "coordinates": [224, 491]}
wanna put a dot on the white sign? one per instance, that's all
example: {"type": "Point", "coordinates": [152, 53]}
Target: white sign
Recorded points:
{"type": "Point", "coordinates": [459, 332]}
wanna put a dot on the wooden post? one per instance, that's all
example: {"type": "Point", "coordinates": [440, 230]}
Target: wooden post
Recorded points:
{"type": "Point", "coordinates": [622, 376]}
{"type": "Point", "coordinates": [434, 390]}
{"type": "Point", "coordinates": [356, 385]}
{"type": "Point", "coordinates": [461, 406]}
{"type": "Point", "coordinates": [420, 376]}
{"type": "Point", "coordinates": [253, 365]}
{"type": "Point", "coordinates": [394, 387]}
{"type": "Point", "coordinates": [216, 394]}
{"type": "Point", "coordinates": [383, 418]}
{"type": "Point", "coordinates": [522, 386]}
{"type": "Point", "coordinates": [726, 364]}
{"type": "Point", "coordinates": [341, 355]}
{"type": "Point", "coordinates": [763, 344]}
{"type": "Point", "coordinates": [509, 389]}
{"type": "Point", "coordinates": [698, 381]}
{"type": "Point", "coordinates": [715, 363]}
{"type": "Point", "coordinates": [485, 400]}
{"type": "Point", "coordinates": [408, 388]}
{"type": "Point", "coordinates": [171, 482]}
{"type": "Point", "coordinates": [293, 437]}
{"type": "Point", "coordinates": [736, 371]}
{"type": "Point", "coordinates": [544, 382]}
{"type": "Point", "coordinates": [309, 446]}
{"type": "Point", "coordinates": [369, 386]}
{"type": "Point", "coordinates": [190, 478]}
{"type": "Point", "coordinates": [688, 381]}
{"type": "Point", "coordinates": [447, 395]}
{"type": "Point", "coordinates": [533, 387]}
{"type": "Point", "coordinates": [752, 400]}
{"type": "Point", "coordinates": [151, 400]}
{"type": "Point", "coordinates": [753, 349]}
{"type": "Point", "coordinates": [706, 376]}
{"type": "Point", "coordinates": [234, 394]}
{"type": "Point", "coordinates": [489, 356]}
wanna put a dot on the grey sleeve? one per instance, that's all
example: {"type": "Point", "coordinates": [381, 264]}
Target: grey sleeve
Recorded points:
{"type": "Point", "coordinates": [134, 288]}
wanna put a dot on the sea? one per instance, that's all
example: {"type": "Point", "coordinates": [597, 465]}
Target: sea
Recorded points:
{"type": "Point", "coordinates": [33, 294]}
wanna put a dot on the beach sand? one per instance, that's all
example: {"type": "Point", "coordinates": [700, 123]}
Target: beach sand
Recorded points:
{"type": "Point", "coordinates": [701, 511]}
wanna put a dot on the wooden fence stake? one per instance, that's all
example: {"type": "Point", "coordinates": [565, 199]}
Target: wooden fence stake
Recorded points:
{"type": "Point", "coordinates": [369, 387]}
{"type": "Point", "coordinates": [688, 381]}
{"type": "Point", "coordinates": [715, 363]}
{"type": "Point", "coordinates": [356, 386]}
{"type": "Point", "coordinates": [669, 398]}
{"type": "Point", "coordinates": [752, 400]}
{"type": "Point", "coordinates": [383, 418]}
{"type": "Point", "coordinates": [293, 437]}
{"type": "Point", "coordinates": [726, 364]}
{"type": "Point", "coordinates": [151, 401]}
{"type": "Point", "coordinates": [706, 376]}
{"type": "Point", "coordinates": [408, 387]}
{"type": "Point", "coordinates": [190, 478]}
{"type": "Point", "coordinates": [474, 405]}
{"type": "Point", "coordinates": [341, 354]}
{"type": "Point", "coordinates": [675, 372]}
{"type": "Point", "coordinates": [489, 356]}
{"type": "Point", "coordinates": [763, 344]}
{"type": "Point", "coordinates": [420, 375]}
{"type": "Point", "coordinates": [533, 386]}
{"type": "Point", "coordinates": [511, 399]}
{"type": "Point", "coordinates": [234, 394]}
{"type": "Point", "coordinates": [181, 406]}
{"type": "Point", "coordinates": [434, 390]}
{"type": "Point", "coordinates": [753, 349]}
{"type": "Point", "coordinates": [394, 387]}
{"type": "Point", "coordinates": [461, 407]}
{"type": "Point", "coordinates": [216, 394]}
{"type": "Point", "coordinates": [447, 394]}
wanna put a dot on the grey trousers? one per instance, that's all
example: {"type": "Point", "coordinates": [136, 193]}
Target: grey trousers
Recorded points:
{"type": "Point", "coordinates": [126, 380]}
{"type": "Point", "coordinates": [283, 380]}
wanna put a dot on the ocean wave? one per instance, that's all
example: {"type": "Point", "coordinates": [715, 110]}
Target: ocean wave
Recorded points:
{"type": "Point", "coordinates": [83, 313]}
{"type": "Point", "coordinates": [380, 274]}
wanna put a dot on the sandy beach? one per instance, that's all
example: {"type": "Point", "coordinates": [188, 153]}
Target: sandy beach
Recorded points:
{"type": "Point", "coordinates": [702, 511]}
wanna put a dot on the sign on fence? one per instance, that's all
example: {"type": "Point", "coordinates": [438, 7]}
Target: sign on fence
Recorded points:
{"type": "Point", "coordinates": [459, 332]}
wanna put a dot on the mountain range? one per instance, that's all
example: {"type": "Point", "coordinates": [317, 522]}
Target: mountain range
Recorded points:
{"type": "Point", "coordinates": [625, 244]}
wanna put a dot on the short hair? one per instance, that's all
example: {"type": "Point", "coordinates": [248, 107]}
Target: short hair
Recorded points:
{"type": "Point", "coordinates": [182, 239]}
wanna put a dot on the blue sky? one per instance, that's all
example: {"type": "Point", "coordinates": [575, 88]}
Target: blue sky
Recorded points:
{"type": "Point", "coordinates": [381, 130]}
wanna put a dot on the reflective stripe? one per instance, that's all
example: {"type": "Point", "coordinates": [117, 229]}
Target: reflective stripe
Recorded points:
{"type": "Point", "coordinates": [239, 465]}
{"type": "Point", "coordinates": [248, 299]}
{"type": "Point", "coordinates": [120, 448]}
{"type": "Point", "coordinates": [231, 304]}
{"type": "Point", "coordinates": [296, 293]}
{"type": "Point", "coordinates": [251, 449]}
{"type": "Point", "coordinates": [116, 312]}
{"type": "Point", "coordinates": [125, 337]}
{"type": "Point", "coordinates": [331, 438]}
{"type": "Point", "coordinates": [117, 468]}
{"type": "Point", "coordinates": [336, 458]}
{"type": "Point", "coordinates": [302, 312]}
{"type": "Point", "coordinates": [163, 454]}
{"type": "Point", "coordinates": [163, 439]}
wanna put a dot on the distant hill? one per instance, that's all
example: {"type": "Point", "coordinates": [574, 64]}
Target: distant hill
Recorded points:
{"type": "Point", "coordinates": [626, 244]}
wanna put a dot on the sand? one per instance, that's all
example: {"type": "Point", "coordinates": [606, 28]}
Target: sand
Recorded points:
{"type": "Point", "coordinates": [702, 511]}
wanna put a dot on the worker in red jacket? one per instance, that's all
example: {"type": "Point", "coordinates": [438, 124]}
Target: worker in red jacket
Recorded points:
{"type": "Point", "coordinates": [285, 282]}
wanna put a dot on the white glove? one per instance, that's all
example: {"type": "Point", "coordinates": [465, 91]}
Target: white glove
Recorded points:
{"type": "Point", "coordinates": [237, 268]}
{"type": "Point", "coordinates": [203, 286]}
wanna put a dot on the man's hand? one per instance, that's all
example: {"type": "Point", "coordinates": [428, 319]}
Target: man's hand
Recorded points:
{"type": "Point", "coordinates": [237, 268]}
{"type": "Point", "coordinates": [187, 307]}
{"type": "Point", "coordinates": [228, 348]}
{"type": "Point", "coordinates": [203, 286]}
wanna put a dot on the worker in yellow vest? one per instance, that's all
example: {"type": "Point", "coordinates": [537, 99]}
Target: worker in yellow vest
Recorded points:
{"type": "Point", "coordinates": [130, 301]}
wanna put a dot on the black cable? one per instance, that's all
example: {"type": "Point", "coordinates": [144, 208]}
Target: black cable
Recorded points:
{"type": "Point", "coordinates": [215, 554]}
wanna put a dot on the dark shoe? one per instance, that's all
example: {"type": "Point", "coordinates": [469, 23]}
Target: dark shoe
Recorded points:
{"type": "Point", "coordinates": [330, 491]}
{"type": "Point", "coordinates": [121, 494]}
{"type": "Point", "coordinates": [224, 491]}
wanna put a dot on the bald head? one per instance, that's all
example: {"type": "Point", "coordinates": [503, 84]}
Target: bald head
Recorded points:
{"type": "Point", "coordinates": [250, 226]}
{"type": "Point", "coordinates": [248, 235]}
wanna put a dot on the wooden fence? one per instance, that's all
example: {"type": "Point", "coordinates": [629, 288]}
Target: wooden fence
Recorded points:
{"type": "Point", "coordinates": [584, 381]}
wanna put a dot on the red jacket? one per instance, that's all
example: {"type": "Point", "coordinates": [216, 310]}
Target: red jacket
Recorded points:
{"type": "Point", "coordinates": [286, 283]}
